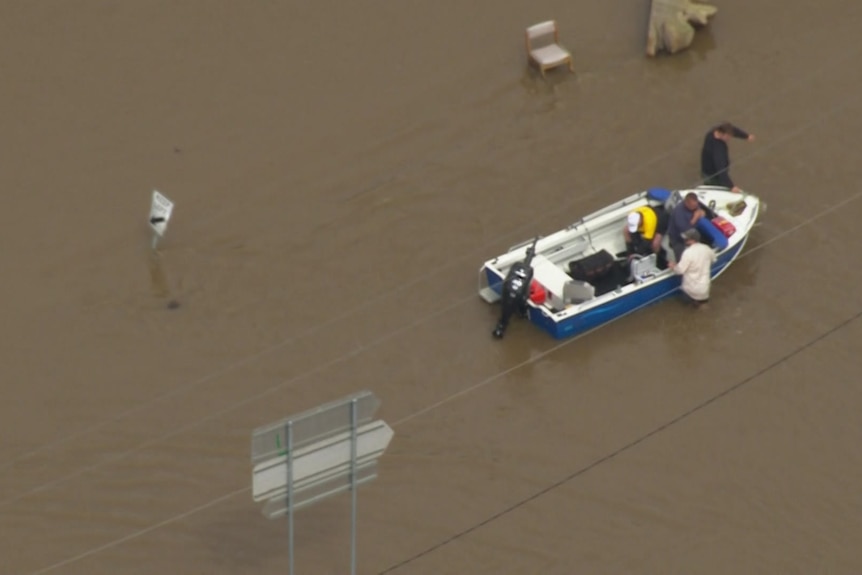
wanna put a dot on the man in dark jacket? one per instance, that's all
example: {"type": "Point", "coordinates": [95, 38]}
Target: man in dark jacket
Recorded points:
{"type": "Point", "coordinates": [683, 218]}
{"type": "Point", "coordinates": [715, 158]}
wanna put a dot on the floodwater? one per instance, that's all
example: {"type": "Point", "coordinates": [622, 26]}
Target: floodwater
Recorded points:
{"type": "Point", "coordinates": [340, 171]}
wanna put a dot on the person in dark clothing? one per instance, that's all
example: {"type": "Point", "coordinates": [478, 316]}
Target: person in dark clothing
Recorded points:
{"type": "Point", "coordinates": [715, 158]}
{"type": "Point", "coordinates": [684, 217]}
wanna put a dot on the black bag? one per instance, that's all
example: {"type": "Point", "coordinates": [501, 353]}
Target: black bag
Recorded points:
{"type": "Point", "coordinates": [592, 268]}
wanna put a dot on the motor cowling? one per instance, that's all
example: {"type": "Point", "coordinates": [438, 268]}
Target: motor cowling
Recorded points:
{"type": "Point", "coordinates": [515, 290]}
{"type": "Point", "coordinates": [516, 286]}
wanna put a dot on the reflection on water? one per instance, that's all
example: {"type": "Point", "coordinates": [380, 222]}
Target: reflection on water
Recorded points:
{"type": "Point", "coordinates": [549, 94]}
{"type": "Point", "coordinates": [704, 43]}
{"type": "Point", "coordinates": [553, 81]}
{"type": "Point", "coordinates": [693, 330]}
{"type": "Point", "coordinates": [160, 281]}
{"type": "Point", "coordinates": [696, 54]}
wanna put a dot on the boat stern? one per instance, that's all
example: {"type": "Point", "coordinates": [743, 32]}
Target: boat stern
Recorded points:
{"type": "Point", "coordinates": [490, 283]}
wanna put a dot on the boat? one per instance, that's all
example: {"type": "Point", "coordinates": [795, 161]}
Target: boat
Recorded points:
{"type": "Point", "coordinates": [564, 300]}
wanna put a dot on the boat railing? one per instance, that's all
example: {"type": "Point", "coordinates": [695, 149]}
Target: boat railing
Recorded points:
{"type": "Point", "coordinates": [565, 252]}
{"type": "Point", "coordinates": [524, 244]}
{"type": "Point", "coordinates": [611, 209]}
{"type": "Point", "coordinates": [586, 225]}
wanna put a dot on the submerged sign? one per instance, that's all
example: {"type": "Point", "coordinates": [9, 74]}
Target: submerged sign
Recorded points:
{"type": "Point", "coordinates": [160, 212]}
{"type": "Point", "coordinates": [322, 468]}
{"type": "Point", "coordinates": [319, 453]}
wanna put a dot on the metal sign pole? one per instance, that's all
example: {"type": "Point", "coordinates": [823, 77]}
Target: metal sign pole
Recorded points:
{"type": "Point", "coordinates": [288, 440]}
{"type": "Point", "coordinates": [353, 486]}
{"type": "Point", "coordinates": [155, 240]}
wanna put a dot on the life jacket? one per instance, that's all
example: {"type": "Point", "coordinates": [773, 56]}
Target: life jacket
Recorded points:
{"type": "Point", "coordinates": [649, 222]}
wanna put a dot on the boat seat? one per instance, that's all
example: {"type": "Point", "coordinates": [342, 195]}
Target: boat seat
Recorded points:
{"type": "Point", "coordinates": [560, 287]}
{"type": "Point", "coordinates": [549, 274]}
{"type": "Point", "coordinates": [576, 291]}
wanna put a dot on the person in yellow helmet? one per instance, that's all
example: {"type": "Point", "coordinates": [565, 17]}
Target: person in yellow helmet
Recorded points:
{"type": "Point", "coordinates": [643, 232]}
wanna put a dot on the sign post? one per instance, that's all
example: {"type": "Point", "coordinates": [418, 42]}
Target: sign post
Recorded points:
{"type": "Point", "coordinates": [353, 456]}
{"type": "Point", "coordinates": [319, 453]}
{"type": "Point", "coordinates": [288, 446]}
{"type": "Point", "coordinates": [160, 212]}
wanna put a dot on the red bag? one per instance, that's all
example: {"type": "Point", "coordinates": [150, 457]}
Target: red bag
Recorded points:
{"type": "Point", "coordinates": [538, 295]}
{"type": "Point", "coordinates": [727, 228]}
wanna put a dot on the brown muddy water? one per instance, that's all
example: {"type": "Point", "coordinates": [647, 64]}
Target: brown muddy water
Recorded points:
{"type": "Point", "coordinates": [340, 171]}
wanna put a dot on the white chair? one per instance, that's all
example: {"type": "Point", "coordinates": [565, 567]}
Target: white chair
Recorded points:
{"type": "Point", "coordinates": [549, 55]}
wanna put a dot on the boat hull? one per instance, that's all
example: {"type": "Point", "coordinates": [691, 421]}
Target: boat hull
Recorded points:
{"type": "Point", "coordinates": [619, 306]}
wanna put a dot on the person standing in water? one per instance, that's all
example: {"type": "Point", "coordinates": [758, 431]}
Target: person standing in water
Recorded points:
{"type": "Point", "coordinates": [695, 267]}
{"type": "Point", "coordinates": [715, 157]}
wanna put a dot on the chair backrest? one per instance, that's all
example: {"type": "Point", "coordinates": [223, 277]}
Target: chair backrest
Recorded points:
{"type": "Point", "coordinates": [542, 29]}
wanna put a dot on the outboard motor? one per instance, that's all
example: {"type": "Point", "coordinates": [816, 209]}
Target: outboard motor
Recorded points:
{"type": "Point", "coordinates": [516, 290]}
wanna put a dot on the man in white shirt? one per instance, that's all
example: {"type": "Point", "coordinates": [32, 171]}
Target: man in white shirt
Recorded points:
{"type": "Point", "coordinates": [694, 267]}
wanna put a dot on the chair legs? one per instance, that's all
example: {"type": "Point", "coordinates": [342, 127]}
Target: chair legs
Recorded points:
{"type": "Point", "coordinates": [543, 68]}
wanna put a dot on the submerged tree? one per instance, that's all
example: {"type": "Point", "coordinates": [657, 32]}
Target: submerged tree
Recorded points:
{"type": "Point", "coordinates": [672, 24]}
